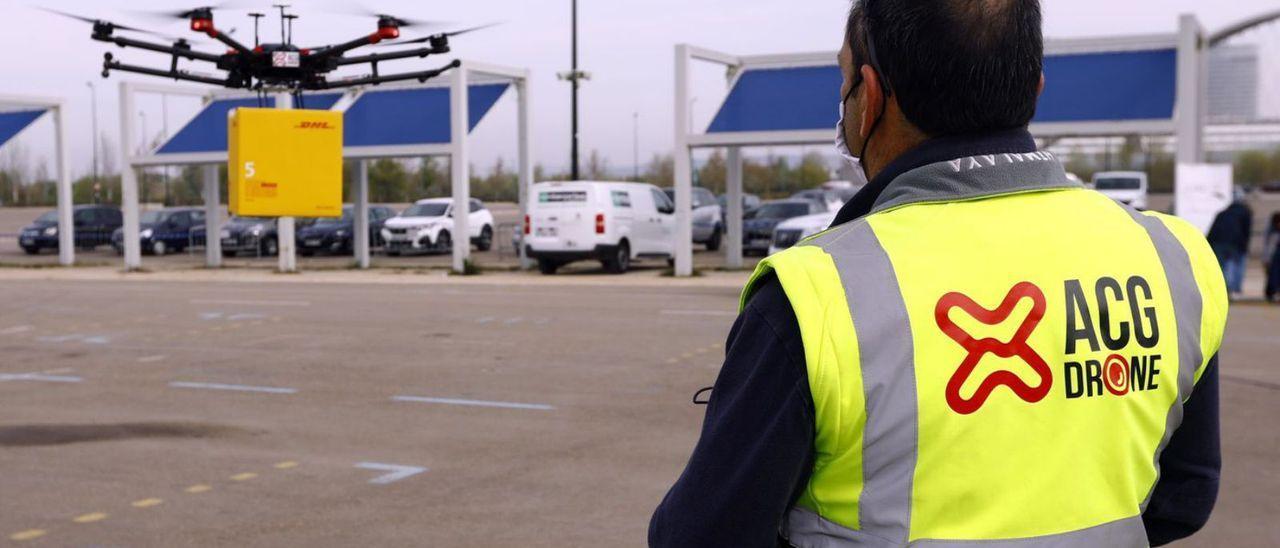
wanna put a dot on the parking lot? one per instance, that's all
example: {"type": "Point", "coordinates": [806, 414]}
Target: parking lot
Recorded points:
{"type": "Point", "coordinates": [470, 412]}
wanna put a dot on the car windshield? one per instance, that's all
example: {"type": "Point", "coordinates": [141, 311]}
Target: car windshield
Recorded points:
{"type": "Point", "coordinates": [151, 217]}
{"type": "Point", "coordinates": [1118, 183]}
{"type": "Point", "coordinates": [346, 217]}
{"type": "Point", "coordinates": [50, 217]}
{"type": "Point", "coordinates": [780, 210]}
{"type": "Point", "coordinates": [429, 209]}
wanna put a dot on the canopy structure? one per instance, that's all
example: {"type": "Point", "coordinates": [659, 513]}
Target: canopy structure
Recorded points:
{"type": "Point", "coordinates": [388, 121]}
{"type": "Point", "coordinates": [1140, 84]}
{"type": "Point", "coordinates": [17, 113]}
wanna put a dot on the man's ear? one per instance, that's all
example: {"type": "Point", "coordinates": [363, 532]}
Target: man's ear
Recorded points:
{"type": "Point", "coordinates": [872, 100]}
{"type": "Point", "coordinates": [1040, 90]}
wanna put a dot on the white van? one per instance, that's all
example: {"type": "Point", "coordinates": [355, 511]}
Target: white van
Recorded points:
{"type": "Point", "coordinates": [1126, 187]}
{"type": "Point", "coordinates": [613, 223]}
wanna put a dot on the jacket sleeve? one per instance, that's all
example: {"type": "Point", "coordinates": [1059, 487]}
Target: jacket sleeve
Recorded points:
{"type": "Point", "coordinates": [755, 453]}
{"type": "Point", "coordinates": [1190, 467]}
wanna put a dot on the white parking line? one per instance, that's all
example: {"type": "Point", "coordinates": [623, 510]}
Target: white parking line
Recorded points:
{"type": "Point", "coordinates": [394, 472]}
{"type": "Point", "coordinates": [684, 312]}
{"type": "Point", "coordinates": [151, 359]}
{"type": "Point", "coordinates": [233, 387]}
{"type": "Point", "coordinates": [474, 403]}
{"type": "Point", "coordinates": [39, 377]}
{"type": "Point", "coordinates": [15, 330]}
{"type": "Point", "coordinates": [250, 303]}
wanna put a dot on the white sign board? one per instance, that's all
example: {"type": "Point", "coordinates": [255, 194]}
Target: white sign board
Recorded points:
{"type": "Point", "coordinates": [1201, 191]}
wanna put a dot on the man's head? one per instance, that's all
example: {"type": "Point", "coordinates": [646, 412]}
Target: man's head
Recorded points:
{"type": "Point", "coordinates": [915, 69]}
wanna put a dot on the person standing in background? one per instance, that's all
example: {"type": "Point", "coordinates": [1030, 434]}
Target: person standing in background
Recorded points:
{"type": "Point", "coordinates": [1229, 238]}
{"type": "Point", "coordinates": [1271, 257]}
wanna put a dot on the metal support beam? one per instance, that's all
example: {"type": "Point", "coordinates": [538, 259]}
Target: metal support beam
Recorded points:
{"type": "Point", "coordinates": [129, 183]}
{"type": "Point", "coordinates": [361, 228]}
{"type": "Point", "coordinates": [66, 222]}
{"type": "Point", "coordinates": [460, 168]}
{"type": "Point", "coordinates": [683, 246]}
{"type": "Point", "coordinates": [1189, 112]}
{"type": "Point", "coordinates": [733, 213]}
{"type": "Point", "coordinates": [525, 176]}
{"type": "Point", "coordinates": [286, 241]}
{"type": "Point", "coordinates": [212, 217]}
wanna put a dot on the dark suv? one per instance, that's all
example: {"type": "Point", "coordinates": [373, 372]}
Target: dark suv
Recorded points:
{"type": "Point", "coordinates": [93, 227]}
{"type": "Point", "coordinates": [337, 235]}
{"type": "Point", "coordinates": [163, 230]}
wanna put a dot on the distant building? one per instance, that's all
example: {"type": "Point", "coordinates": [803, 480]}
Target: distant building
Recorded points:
{"type": "Point", "coordinates": [1233, 83]}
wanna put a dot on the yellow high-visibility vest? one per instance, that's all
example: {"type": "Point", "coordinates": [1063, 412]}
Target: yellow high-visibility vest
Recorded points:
{"type": "Point", "coordinates": [995, 353]}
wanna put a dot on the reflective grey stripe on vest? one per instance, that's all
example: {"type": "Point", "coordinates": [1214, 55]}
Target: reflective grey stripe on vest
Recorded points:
{"type": "Point", "coordinates": [811, 531]}
{"type": "Point", "coordinates": [880, 322]}
{"type": "Point", "coordinates": [976, 177]}
{"type": "Point", "coordinates": [1187, 309]}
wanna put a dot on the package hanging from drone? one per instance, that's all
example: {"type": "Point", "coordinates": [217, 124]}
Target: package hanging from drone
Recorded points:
{"type": "Point", "coordinates": [284, 163]}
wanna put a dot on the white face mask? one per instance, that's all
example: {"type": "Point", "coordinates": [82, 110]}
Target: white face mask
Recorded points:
{"type": "Point", "coordinates": [842, 145]}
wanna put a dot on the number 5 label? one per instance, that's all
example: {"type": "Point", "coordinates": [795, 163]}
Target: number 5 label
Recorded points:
{"type": "Point", "coordinates": [249, 172]}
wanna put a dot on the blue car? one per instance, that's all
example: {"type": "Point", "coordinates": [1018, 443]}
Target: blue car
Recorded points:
{"type": "Point", "coordinates": [336, 235]}
{"type": "Point", "coordinates": [165, 230]}
{"type": "Point", "coordinates": [93, 227]}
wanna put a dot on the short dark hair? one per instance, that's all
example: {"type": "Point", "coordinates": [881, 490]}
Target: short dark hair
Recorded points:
{"type": "Point", "coordinates": [955, 66]}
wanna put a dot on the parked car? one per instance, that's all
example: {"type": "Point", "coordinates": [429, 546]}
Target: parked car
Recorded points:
{"type": "Point", "coordinates": [163, 230]}
{"type": "Point", "coordinates": [757, 226]}
{"type": "Point", "coordinates": [428, 226]}
{"type": "Point", "coordinates": [1127, 187]}
{"type": "Point", "coordinates": [708, 218]}
{"type": "Point", "coordinates": [257, 235]}
{"type": "Point", "coordinates": [791, 231]}
{"type": "Point", "coordinates": [829, 200]}
{"type": "Point", "coordinates": [749, 202]}
{"type": "Point", "coordinates": [614, 223]}
{"type": "Point", "coordinates": [93, 226]}
{"type": "Point", "coordinates": [337, 234]}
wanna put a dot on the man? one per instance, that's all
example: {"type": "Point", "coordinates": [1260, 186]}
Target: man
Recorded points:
{"type": "Point", "coordinates": [1229, 238]}
{"type": "Point", "coordinates": [980, 349]}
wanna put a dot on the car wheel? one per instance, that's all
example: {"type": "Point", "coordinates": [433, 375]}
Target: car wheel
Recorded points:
{"type": "Point", "coordinates": [444, 241]}
{"type": "Point", "coordinates": [391, 253]}
{"type": "Point", "coordinates": [621, 259]}
{"type": "Point", "coordinates": [158, 248]}
{"type": "Point", "coordinates": [270, 246]}
{"type": "Point", "coordinates": [548, 266]}
{"type": "Point", "coordinates": [306, 253]}
{"type": "Point", "coordinates": [228, 254]}
{"type": "Point", "coordinates": [31, 250]}
{"type": "Point", "coordinates": [485, 242]}
{"type": "Point", "coordinates": [713, 244]}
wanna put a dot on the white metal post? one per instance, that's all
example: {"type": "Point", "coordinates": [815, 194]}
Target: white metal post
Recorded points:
{"type": "Point", "coordinates": [733, 212]}
{"type": "Point", "coordinates": [212, 217]}
{"type": "Point", "coordinates": [361, 227]}
{"type": "Point", "coordinates": [66, 222]}
{"type": "Point", "coordinates": [129, 183]}
{"type": "Point", "coordinates": [1189, 115]}
{"type": "Point", "coordinates": [286, 244]}
{"type": "Point", "coordinates": [461, 172]}
{"type": "Point", "coordinates": [525, 177]}
{"type": "Point", "coordinates": [683, 168]}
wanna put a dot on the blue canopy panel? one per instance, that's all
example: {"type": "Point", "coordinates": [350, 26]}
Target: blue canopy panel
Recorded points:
{"type": "Point", "coordinates": [415, 116]}
{"type": "Point", "coordinates": [1098, 87]}
{"type": "Point", "coordinates": [207, 132]}
{"type": "Point", "coordinates": [782, 99]}
{"type": "Point", "coordinates": [12, 123]}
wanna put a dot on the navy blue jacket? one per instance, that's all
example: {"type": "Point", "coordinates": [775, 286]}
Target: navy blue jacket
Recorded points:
{"type": "Point", "coordinates": [756, 451]}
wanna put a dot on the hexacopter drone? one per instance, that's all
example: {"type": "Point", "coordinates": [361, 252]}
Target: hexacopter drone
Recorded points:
{"type": "Point", "coordinates": [280, 65]}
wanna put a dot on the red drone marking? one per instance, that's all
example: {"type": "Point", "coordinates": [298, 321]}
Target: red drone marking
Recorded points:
{"type": "Point", "coordinates": [1115, 375]}
{"type": "Point", "coordinates": [977, 348]}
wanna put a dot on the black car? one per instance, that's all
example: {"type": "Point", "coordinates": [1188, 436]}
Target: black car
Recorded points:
{"type": "Point", "coordinates": [93, 227]}
{"type": "Point", "coordinates": [163, 230]}
{"type": "Point", "coordinates": [758, 225]}
{"type": "Point", "coordinates": [250, 234]}
{"type": "Point", "coordinates": [337, 234]}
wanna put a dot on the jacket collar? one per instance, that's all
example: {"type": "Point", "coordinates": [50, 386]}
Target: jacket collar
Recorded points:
{"type": "Point", "coordinates": [959, 167]}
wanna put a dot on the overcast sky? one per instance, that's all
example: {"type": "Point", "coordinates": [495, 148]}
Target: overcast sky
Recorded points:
{"type": "Point", "coordinates": [627, 45]}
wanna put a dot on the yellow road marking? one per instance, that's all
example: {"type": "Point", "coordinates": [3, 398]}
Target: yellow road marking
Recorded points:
{"type": "Point", "coordinates": [90, 518]}
{"type": "Point", "coordinates": [147, 503]}
{"type": "Point", "coordinates": [195, 489]}
{"type": "Point", "coordinates": [285, 465]}
{"type": "Point", "coordinates": [28, 534]}
{"type": "Point", "coordinates": [244, 476]}
{"type": "Point", "coordinates": [700, 351]}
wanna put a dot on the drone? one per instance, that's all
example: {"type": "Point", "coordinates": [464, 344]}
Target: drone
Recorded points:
{"type": "Point", "coordinates": [280, 66]}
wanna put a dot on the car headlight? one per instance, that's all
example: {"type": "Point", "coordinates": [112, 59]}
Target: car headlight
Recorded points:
{"type": "Point", "coordinates": [340, 233]}
{"type": "Point", "coordinates": [51, 231]}
{"type": "Point", "coordinates": [256, 230]}
{"type": "Point", "coordinates": [146, 233]}
{"type": "Point", "coordinates": [386, 233]}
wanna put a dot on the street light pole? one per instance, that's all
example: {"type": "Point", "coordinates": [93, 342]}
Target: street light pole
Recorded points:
{"type": "Point", "coordinates": [573, 160]}
{"type": "Point", "coordinates": [93, 140]}
{"type": "Point", "coordinates": [635, 144]}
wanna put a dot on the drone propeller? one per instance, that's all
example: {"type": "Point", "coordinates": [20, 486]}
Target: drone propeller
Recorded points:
{"type": "Point", "coordinates": [403, 22]}
{"type": "Point", "coordinates": [114, 26]}
{"type": "Point", "coordinates": [449, 34]}
{"type": "Point", "coordinates": [188, 12]}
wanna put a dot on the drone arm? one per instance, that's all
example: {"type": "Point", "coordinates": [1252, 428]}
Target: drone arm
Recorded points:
{"type": "Point", "coordinates": [110, 65]}
{"type": "Point", "coordinates": [376, 57]}
{"type": "Point", "coordinates": [228, 40]}
{"type": "Point", "coordinates": [375, 80]}
{"type": "Point", "coordinates": [159, 48]}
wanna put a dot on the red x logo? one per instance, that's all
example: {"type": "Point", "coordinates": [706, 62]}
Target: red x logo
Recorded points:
{"type": "Point", "coordinates": [977, 348]}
